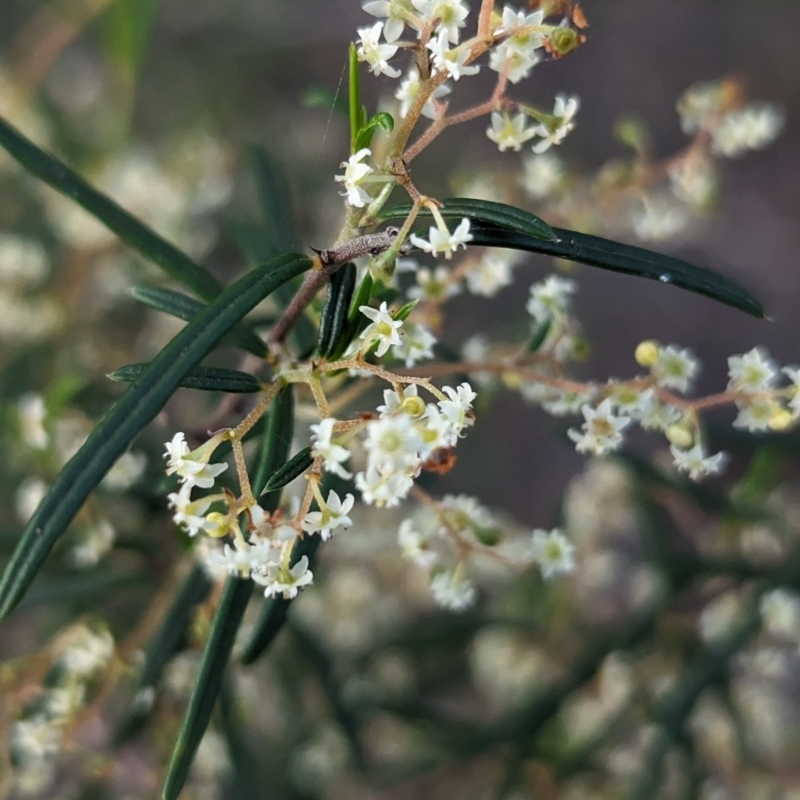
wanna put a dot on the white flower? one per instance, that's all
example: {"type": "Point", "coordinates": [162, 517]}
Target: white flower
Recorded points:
{"type": "Point", "coordinates": [700, 103]}
{"type": "Point", "coordinates": [550, 298]}
{"type": "Point", "coordinates": [354, 174]}
{"type": "Point", "coordinates": [333, 455]}
{"type": "Point", "coordinates": [561, 403]}
{"type": "Point", "coordinates": [750, 128]}
{"type": "Point", "coordinates": [555, 129]}
{"type": "Point", "coordinates": [383, 329]}
{"type": "Point", "coordinates": [192, 466]}
{"type": "Point", "coordinates": [659, 217]}
{"type": "Point", "coordinates": [693, 180]}
{"type": "Point", "coordinates": [32, 415]}
{"type": "Point", "coordinates": [394, 12]}
{"type": "Point", "coordinates": [450, 15]}
{"type": "Point", "coordinates": [675, 368]}
{"type": "Point", "coordinates": [477, 350]}
{"type": "Point", "coordinates": [752, 372]}
{"type": "Point", "coordinates": [553, 552]}
{"type": "Point", "coordinates": [629, 400]}
{"type": "Point", "coordinates": [658, 416]}
{"type": "Point", "coordinates": [517, 64]}
{"type": "Point", "coordinates": [464, 514]}
{"type": "Point", "coordinates": [408, 89]}
{"type": "Point", "coordinates": [434, 285]}
{"type": "Point", "coordinates": [377, 55]}
{"type": "Point", "coordinates": [793, 373]}
{"type": "Point", "coordinates": [519, 28]}
{"type": "Point", "coordinates": [756, 414]}
{"type": "Point", "coordinates": [450, 61]}
{"type": "Point", "coordinates": [393, 443]}
{"type": "Point", "coordinates": [286, 582]}
{"type": "Point", "coordinates": [414, 545]}
{"type": "Point", "coordinates": [541, 175]}
{"type": "Point", "coordinates": [492, 272]}
{"type": "Point", "coordinates": [444, 241]}
{"type": "Point", "coordinates": [452, 592]}
{"type": "Point", "coordinates": [383, 487]}
{"type": "Point", "coordinates": [507, 132]}
{"type": "Point", "coordinates": [127, 469]}
{"type": "Point", "coordinates": [406, 401]}
{"type": "Point", "coordinates": [780, 613]}
{"type": "Point", "coordinates": [23, 262]}
{"type": "Point", "coordinates": [28, 496]}
{"type": "Point", "coordinates": [189, 514]}
{"type": "Point", "coordinates": [456, 409]}
{"type": "Point", "coordinates": [602, 430]}
{"type": "Point", "coordinates": [696, 463]}
{"type": "Point", "coordinates": [417, 344]}
{"type": "Point", "coordinates": [436, 431]}
{"type": "Point", "coordinates": [333, 516]}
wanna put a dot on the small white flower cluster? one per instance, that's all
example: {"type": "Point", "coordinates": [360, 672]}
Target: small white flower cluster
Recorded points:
{"type": "Point", "coordinates": [405, 435]}
{"type": "Point", "coordinates": [34, 740]}
{"type": "Point", "coordinates": [442, 534]}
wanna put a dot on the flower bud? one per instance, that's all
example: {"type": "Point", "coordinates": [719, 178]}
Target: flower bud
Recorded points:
{"type": "Point", "coordinates": [563, 40]}
{"type": "Point", "coordinates": [646, 353]}
{"type": "Point", "coordinates": [413, 406]}
{"type": "Point", "coordinates": [680, 435]}
{"type": "Point", "coordinates": [781, 419]}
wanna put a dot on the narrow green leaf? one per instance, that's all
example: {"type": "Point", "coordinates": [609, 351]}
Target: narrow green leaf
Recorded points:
{"type": "Point", "coordinates": [136, 234]}
{"type": "Point", "coordinates": [404, 312]}
{"type": "Point", "coordinates": [326, 319]}
{"type": "Point", "coordinates": [206, 379]}
{"type": "Point", "coordinates": [167, 641]}
{"type": "Point", "coordinates": [539, 335]}
{"type": "Point", "coordinates": [346, 283]}
{"type": "Point", "coordinates": [128, 26]}
{"type": "Point", "coordinates": [617, 257]}
{"type": "Point", "coordinates": [227, 619]}
{"type": "Point", "coordinates": [356, 321]}
{"type": "Point", "coordinates": [381, 120]}
{"type": "Point", "coordinates": [179, 305]}
{"type": "Point", "coordinates": [81, 587]}
{"type": "Point", "coordinates": [242, 755]}
{"type": "Point", "coordinates": [135, 409]}
{"type": "Point", "coordinates": [498, 215]}
{"type": "Point", "coordinates": [273, 612]}
{"type": "Point", "coordinates": [275, 445]}
{"type": "Point", "coordinates": [354, 96]}
{"type": "Point", "coordinates": [292, 469]}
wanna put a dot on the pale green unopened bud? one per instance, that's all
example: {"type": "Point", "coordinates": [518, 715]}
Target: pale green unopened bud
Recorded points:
{"type": "Point", "coordinates": [646, 353]}
{"type": "Point", "coordinates": [680, 435]}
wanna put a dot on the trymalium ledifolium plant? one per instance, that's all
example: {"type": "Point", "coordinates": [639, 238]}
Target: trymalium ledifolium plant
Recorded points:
{"type": "Point", "coordinates": [384, 309]}
{"type": "Point", "coordinates": [354, 399]}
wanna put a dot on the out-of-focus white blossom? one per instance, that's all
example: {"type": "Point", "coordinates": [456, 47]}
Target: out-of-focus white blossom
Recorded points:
{"type": "Point", "coordinates": [509, 132]}
{"type": "Point", "coordinates": [659, 217]}
{"type": "Point", "coordinates": [434, 285]}
{"type": "Point", "coordinates": [696, 462]}
{"type": "Point", "coordinates": [561, 122]}
{"type": "Point", "coordinates": [752, 372]}
{"type": "Point", "coordinates": [542, 175]}
{"type": "Point", "coordinates": [416, 345]}
{"type": "Point", "coordinates": [750, 128]}
{"type": "Point", "coordinates": [415, 546]}
{"type": "Point", "coordinates": [30, 493]}
{"type": "Point", "coordinates": [452, 591]}
{"type": "Point", "coordinates": [675, 368]}
{"type": "Point", "coordinates": [127, 469]}
{"type": "Point", "coordinates": [32, 416]}
{"type": "Point", "coordinates": [408, 89]}
{"type": "Point", "coordinates": [492, 272]}
{"type": "Point", "coordinates": [23, 262]}
{"type": "Point", "coordinates": [780, 613]}
{"type": "Point", "coordinates": [553, 552]}
{"type": "Point", "coordinates": [601, 432]}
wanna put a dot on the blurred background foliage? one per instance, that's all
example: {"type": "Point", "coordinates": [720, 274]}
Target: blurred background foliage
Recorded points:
{"type": "Point", "coordinates": [666, 666]}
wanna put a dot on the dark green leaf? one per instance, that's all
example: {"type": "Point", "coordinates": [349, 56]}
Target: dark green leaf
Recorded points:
{"type": "Point", "coordinates": [345, 278]}
{"type": "Point", "coordinates": [275, 444]}
{"type": "Point", "coordinates": [133, 232]}
{"type": "Point", "coordinates": [356, 321]}
{"type": "Point", "coordinates": [83, 587]}
{"type": "Point", "coordinates": [243, 757]}
{"type": "Point", "coordinates": [207, 379]}
{"type": "Point", "coordinates": [136, 408]}
{"type": "Point", "coordinates": [227, 619]}
{"type": "Point", "coordinates": [326, 318]}
{"type": "Point", "coordinates": [617, 257]}
{"type": "Point", "coordinates": [292, 469]}
{"type": "Point", "coordinates": [166, 642]}
{"type": "Point", "coordinates": [187, 308]}
{"type": "Point", "coordinates": [539, 335]}
{"type": "Point", "coordinates": [497, 215]}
